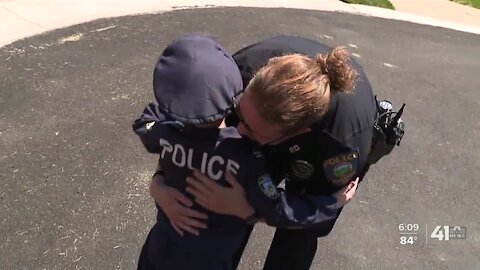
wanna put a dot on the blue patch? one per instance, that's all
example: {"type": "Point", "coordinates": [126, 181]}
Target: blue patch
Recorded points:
{"type": "Point", "coordinates": [267, 186]}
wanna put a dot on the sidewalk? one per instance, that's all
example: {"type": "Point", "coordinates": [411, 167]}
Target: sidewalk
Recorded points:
{"type": "Point", "coordinates": [24, 18]}
{"type": "Point", "coordinates": [440, 9]}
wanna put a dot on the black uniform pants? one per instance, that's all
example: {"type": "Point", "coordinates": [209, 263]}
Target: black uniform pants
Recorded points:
{"type": "Point", "coordinates": [291, 250]}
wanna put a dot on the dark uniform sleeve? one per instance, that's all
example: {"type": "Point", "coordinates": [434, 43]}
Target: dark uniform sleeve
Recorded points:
{"type": "Point", "coordinates": [145, 127]}
{"type": "Point", "coordinates": [285, 209]}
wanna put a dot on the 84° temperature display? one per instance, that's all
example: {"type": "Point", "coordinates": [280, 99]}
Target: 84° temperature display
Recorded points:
{"type": "Point", "coordinates": [408, 233]}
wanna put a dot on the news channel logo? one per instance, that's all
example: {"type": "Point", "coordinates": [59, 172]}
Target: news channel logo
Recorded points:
{"type": "Point", "coordinates": [445, 233]}
{"type": "Point", "coordinates": [411, 233]}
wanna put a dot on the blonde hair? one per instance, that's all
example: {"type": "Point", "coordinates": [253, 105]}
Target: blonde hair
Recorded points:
{"type": "Point", "coordinates": [293, 91]}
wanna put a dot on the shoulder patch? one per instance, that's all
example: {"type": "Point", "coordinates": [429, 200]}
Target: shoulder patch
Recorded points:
{"type": "Point", "coordinates": [267, 186]}
{"type": "Point", "coordinates": [341, 168]}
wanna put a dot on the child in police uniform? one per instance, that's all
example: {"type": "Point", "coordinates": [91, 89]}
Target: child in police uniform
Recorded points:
{"type": "Point", "coordinates": [196, 82]}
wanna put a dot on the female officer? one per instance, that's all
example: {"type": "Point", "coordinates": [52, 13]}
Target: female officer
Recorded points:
{"type": "Point", "coordinates": [281, 110]}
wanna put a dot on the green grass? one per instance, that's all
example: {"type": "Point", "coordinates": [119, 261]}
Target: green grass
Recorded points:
{"type": "Point", "coordinates": [379, 3]}
{"type": "Point", "coordinates": [472, 3]}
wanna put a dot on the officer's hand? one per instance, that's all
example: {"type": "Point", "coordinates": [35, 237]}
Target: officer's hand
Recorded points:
{"type": "Point", "coordinates": [219, 199]}
{"type": "Point", "coordinates": [177, 208]}
{"type": "Point", "coordinates": [346, 194]}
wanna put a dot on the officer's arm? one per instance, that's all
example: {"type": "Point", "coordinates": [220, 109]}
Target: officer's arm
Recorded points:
{"type": "Point", "coordinates": [146, 129]}
{"type": "Point", "coordinates": [281, 208]}
{"type": "Point", "coordinates": [255, 193]}
{"type": "Point", "coordinates": [292, 210]}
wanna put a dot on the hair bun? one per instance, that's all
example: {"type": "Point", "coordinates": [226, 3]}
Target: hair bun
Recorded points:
{"type": "Point", "coordinates": [336, 65]}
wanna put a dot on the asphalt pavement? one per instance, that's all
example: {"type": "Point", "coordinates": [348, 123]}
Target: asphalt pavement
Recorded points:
{"type": "Point", "coordinates": [74, 176]}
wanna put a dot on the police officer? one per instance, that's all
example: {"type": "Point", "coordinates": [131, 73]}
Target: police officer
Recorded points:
{"type": "Point", "coordinates": [196, 83]}
{"type": "Point", "coordinates": [320, 161]}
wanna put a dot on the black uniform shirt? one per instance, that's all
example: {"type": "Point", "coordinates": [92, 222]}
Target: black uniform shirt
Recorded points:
{"type": "Point", "coordinates": [335, 151]}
